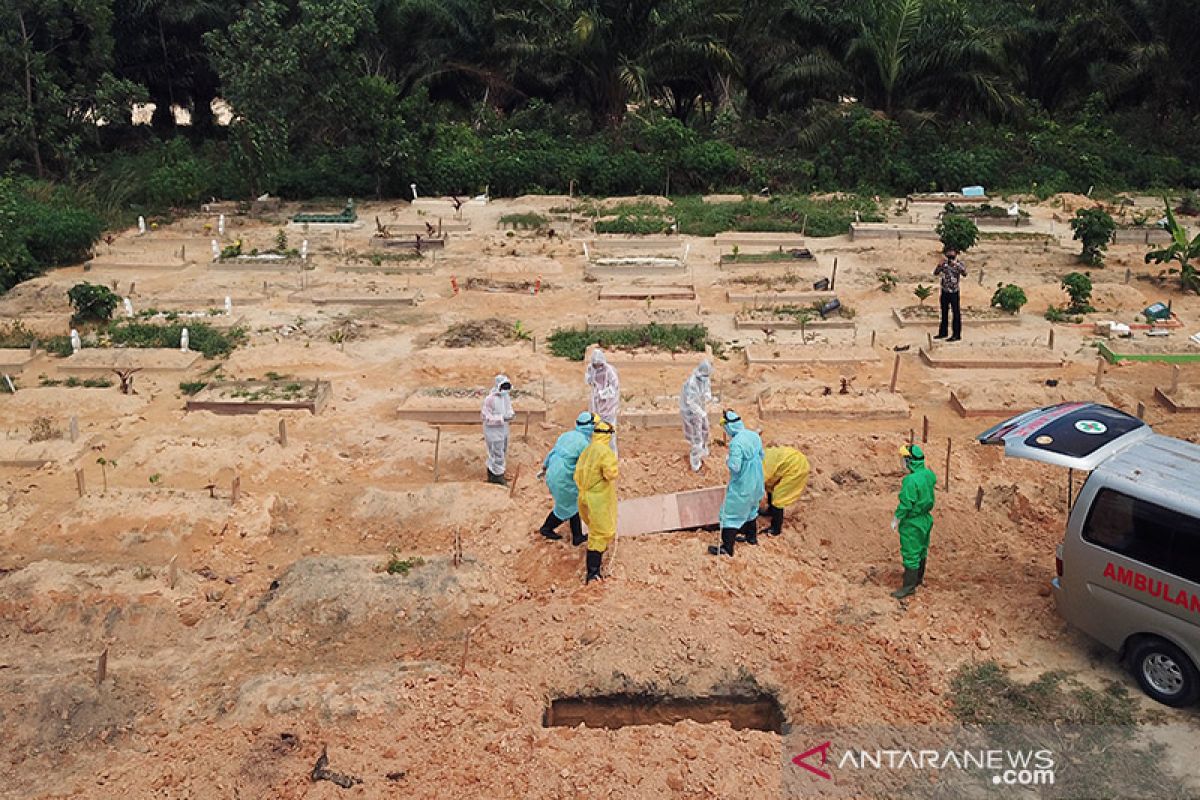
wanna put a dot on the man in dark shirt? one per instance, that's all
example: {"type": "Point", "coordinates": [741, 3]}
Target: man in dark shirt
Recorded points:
{"type": "Point", "coordinates": [951, 271]}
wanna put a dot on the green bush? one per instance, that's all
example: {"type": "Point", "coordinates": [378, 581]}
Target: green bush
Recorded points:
{"type": "Point", "coordinates": [573, 343]}
{"type": "Point", "coordinates": [92, 302]}
{"type": "Point", "coordinates": [1094, 228]}
{"type": "Point", "coordinates": [202, 337]}
{"type": "Point", "coordinates": [957, 232]}
{"type": "Point", "coordinates": [1009, 297]}
{"type": "Point", "coordinates": [41, 227]}
{"type": "Point", "coordinates": [1079, 287]}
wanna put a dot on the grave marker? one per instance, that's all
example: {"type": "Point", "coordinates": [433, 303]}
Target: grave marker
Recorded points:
{"type": "Point", "coordinates": [102, 667]}
{"type": "Point", "coordinates": [235, 491]}
{"type": "Point", "coordinates": [183, 341]}
{"type": "Point", "coordinates": [283, 437]}
{"type": "Point", "coordinates": [74, 428]}
{"type": "Point", "coordinates": [141, 226]}
{"type": "Point", "coordinates": [76, 342]}
{"type": "Point", "coordinates": [895, 374]}
{"type": "Point", "coordinates": [79, 483]}
{"type": "Point", "coordinates": [128, 307]}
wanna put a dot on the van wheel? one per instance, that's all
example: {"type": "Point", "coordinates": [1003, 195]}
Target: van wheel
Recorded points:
{"type": "Point", "coordinates": [1165, 673]}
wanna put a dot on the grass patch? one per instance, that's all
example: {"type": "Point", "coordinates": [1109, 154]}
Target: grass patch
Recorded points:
{"type": "Point", "coordinates": [766, 258]}
{"type": "Point", "coordinates": [786, 214]}
{"type": "Point", "coordinates": [16, 336]}
{"type": "Point", "coordinates": [191, 388]}
{"type": "Point", "coordinates": [572, 343]}
{"type": "Point", "coordinates": [395, 565]}
{"type": "Point", "coordinates": [530, 220]}
{"type": "Point", "coordinates": [74, 382]}
{"type": "Point", "coordinates": [1016, 236]}
{"type": "Point", "coordinates": [201, 337]}
{"type": "Point", "coordinates": [1083, 727]}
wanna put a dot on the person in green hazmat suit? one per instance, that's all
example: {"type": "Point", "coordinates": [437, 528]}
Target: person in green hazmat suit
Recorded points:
{"type": "Point", "coordinates": [914, 518]}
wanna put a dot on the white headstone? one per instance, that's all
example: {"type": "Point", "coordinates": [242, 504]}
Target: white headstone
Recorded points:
{"type": "Point", "coordinates": [413, 186]}
{"type": "Point", "coordinates": [141, 225]}
{"type": "Point", "coordinates": [76, 342]}
{"type": "Point", "coordinates": [128, 307]}
{"type": "Point", "coordinates": [304, 250]}
{"type": "Point", "coordinates": [221, 225]}
{"type": "Point", "coordinates": [183, 341]}
{"type": "Point", "coordinates": [216, 250]}
{"type": "Point", "coordinates": [228, 306]}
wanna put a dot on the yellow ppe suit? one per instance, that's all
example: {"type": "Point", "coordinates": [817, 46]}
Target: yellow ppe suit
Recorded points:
{"type": "Point", "coordinates": [596, 477]}
{"type": "Point", "coordinates": [785, 474]}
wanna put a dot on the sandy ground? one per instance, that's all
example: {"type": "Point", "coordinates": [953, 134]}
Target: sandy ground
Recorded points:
{"type": "Point", "coordinates": [280, 636]}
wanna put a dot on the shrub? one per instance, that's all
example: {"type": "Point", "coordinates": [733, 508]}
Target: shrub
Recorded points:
{"type": "Point", "coordinates": [201, 336]}
{"type": "Point", "coordinates": [957, 232]}
{"type": "Point", "coordinates": [92, 302]}
{"type": "Point", "coordinates": [1009, 297]}
{"type": "Point", "coordinates": [922, 292]}
{"type": "Point", "coordinates": [1079, 287]}
{"type": "Point", "coordinates": [573, 343]}
{"type": "Point", "coordinates": [1094, 228]}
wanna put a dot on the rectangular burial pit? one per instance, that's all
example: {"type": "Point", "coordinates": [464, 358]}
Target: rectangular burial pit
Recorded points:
{"type": "Point", "coordinates": [1005, 398]}
{"type": "Point", "coordinates": [756, 712]}
{"type": "Point", "coordinates": [644, 293]}
{"type": "Point", "coordinates": [458, 406]}
{"type": "Point", "coordinates": [930, 317]}
{"type": "Point", "coordinates": [94, 360]}
{"type": "Point", "coordinates": [953, 356]}
{"type": "Point", "coordinates": [250, 397]}
{"type": "Point", "coordinates": [809, 399]}
{"type": "Point", "coordinates": [777, 355]}
{"type": "Point", "coordinates": [1181, 400]}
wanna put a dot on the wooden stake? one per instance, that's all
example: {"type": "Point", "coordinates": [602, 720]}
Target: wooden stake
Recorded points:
{"type": "Point", "coordinates": [516, 477]}
{"type": "Point", "coordinates": [525, 436]}
{"type": "Point", "coordinates": [872, 340]}
{"type": "Point", "coordinates": [833, 276]}
{"type": "Point", "coordinates": [283, 440]}
{"type": "Point", "coordinates": [79, 483]}
{"type": "Point", "coordinates": [102, 667]}
{"type": "Point", "coordinates": [979, 498]}
{"type": "Point", "coordinates": [437, 452]}
{"type": "Point", "coordinates": [924, 429]}
{"type": "Point", "coordinates": [172, 572]}
{"type": "Point", "coordinates": [543, 388]}
{"type": "Point", "coordinates": [462, 665]}
{"type": "Point", "coordinates": [1099, 371]}
{"type": "Point", "coordinates": [74, 428]}
{"type": "Point", "coordinates": [1141, 410]}
{"type": "Point", "coordinates": [949, 444]}
{"type": "Point", "coordinates": [929, 340]}
{"type": "Point", "coordinates": [1050, 343]}
{"type": "Point", "coordinates": [1128, 274]}
{"type": "Point", "coordinates": [912, 437]}
{"type": "Point", "coordinates": [895, 374]}
{"type": "Point", "coordinates": [1174, 378]}
{"type": "Point", "coordinates": [235, 492]}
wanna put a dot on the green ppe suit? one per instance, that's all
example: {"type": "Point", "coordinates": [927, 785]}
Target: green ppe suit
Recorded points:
{"type": "Point", "coordinates": [914, 515]}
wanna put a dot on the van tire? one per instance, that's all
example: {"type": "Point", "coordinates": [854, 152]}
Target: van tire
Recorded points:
{"type": "Point", "coordinates": [1164, 672]}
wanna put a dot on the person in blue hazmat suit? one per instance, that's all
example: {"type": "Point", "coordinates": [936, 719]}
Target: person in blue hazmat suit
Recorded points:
{"type": "Point", "coordinates": [558, 470]}
{"type": "Point", "coordinates": [745, 489]}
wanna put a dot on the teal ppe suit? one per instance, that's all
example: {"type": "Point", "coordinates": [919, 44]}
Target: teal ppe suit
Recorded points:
{"type": "Point", "coordinates": [745, 488]}
{"type": "Point", "coordinates": [914, 517]}
{"type": "Point", "coordinates": [558, 468]}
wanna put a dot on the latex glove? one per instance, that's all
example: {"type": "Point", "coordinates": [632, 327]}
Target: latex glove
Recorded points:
{"type": "Point", "coordinates": [895, 523]}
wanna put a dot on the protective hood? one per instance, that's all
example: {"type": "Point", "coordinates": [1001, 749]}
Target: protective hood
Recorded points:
{"type": "Point", "coordinates": [598, 358]}
{"type": "Point", "coordinates": [500, 381]}
{"type": "Point", "coordinates": [603, 432]}
{"type": "Point", "coordinates": [733, 423]}
{"type": "Point", "coordinates": [914, 456]}
{"type": "Point", "coordinates": [586, 422]}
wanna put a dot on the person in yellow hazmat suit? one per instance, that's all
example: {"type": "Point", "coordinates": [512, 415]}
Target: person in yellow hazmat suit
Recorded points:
{"type": "Point", "coordinates": [785, 474]}
{"type": "Point", "coordinates": [596, 477]}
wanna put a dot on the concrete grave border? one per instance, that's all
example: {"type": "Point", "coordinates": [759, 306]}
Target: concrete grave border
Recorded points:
{"type": "Point", "coordinates": [243, 406]}
{"type": "Point", "coordinates": [937, 361]}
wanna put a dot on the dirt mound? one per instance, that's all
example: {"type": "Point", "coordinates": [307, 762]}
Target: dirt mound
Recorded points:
{"type": "Point", "coordinates": [489, 332]}
{"type": "Point", "coordinates": [427, 505]}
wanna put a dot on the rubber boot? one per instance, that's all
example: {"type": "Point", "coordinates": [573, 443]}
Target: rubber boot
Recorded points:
{"type": "Point", "coordinates": [728, 537]}
{"type": "Point", "coordinates": [497, 479]}
{"type": "Point", "coordinates": [578, 537]}
{"type": "Point", "coordinates": [910, 584]}
{"type": "Point", "coordinates": [594, 558]}
{"type": "Point", "coordinates": [549, 526]}
{"type": "Point", "coordinates": [921, 572]}
{"type": "Point", "coordinates": [750, 532]}
{"type": "Point", "coordinates": [776, 526]}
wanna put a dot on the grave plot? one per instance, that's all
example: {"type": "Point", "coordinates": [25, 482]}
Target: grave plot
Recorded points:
{"type": "Point", "coordinates": [345, 219]}
{"type": "Point", "coordinates": [1006, 398]}
{"type": "Point", "coordinates": [647, 292]}
{"type": "Point", "coordinates": [776, 355]}
{"type": "Point", "coordinates": [663, 513]}
{"type": "Point", "coordinates": [214, 317]}
{"type": "Point", "coordinates": [436, 227]}
{"type": "Point", "coordinates": [14, 360]}
{"type": "Point", "coordinates": [784, 259]}
{"type": "Point", "coordinates": [627, 358]}
{"type": "Point", "coordinates": [21, 453]}
{"type": "Point", "coordinates": [1141, 235]}
{"type": "Point", "coordinates": [635, 266]}
{"type": "Point", "coordinates": [884, 230]}
{"type": "Point", "coordinates": [252, 396]}
{"type": "Point", "coordinates": [1165, 349]}
{"type": "Point", "coordinates": [635, 318]}
{"type": "Point", "coordinates": [783, 318]}
{"type": "Point", "coordinates": [94, 360]}
{"type": "Point", "coordinates": [440, 405]}
{"type": "Point", "coordinates": [798, 298]}
{"type": "Point", "coordinates": [784, 241]}
{"type": "Point", "coordinates": [405, 262]}
{"type": "Point", "coordinates": [1179, 399]}
{"type": "Point", "coordinates": [662, 411]}
{"type": "Point", "coordinates": [808, 399]}
{"type": "Point", "coordinates": [985, 357]}
{"type": "Point", "coordinates": [263, 262]}
{"type": "Point", "coordinates": [929, 316]}
{"type": "Point", "coordinates": [353, 296]}
{"type": "Point", "coordinates": [941, 198]}
{"type": "Point", "coordinates": [137, 261]}
{"type": "Point", "coordinates": [508, 283]}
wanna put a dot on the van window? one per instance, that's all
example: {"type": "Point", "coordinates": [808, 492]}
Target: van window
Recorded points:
{"type": "Point", "coordinates": [1146, 532]}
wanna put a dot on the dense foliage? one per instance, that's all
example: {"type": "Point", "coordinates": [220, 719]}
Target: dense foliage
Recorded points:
{"type": "Point", "coordinates": [40, 227]}
{"type": "Point", "coordinates": [92, 302]}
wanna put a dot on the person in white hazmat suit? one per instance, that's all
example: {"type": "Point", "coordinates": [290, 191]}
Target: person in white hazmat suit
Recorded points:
{"type": "Point", "coordinates": [497, 413]}
{"type": "Point", "coordinates": [693, 408]}
{"type": "Point", "coordinates": [606, 391]}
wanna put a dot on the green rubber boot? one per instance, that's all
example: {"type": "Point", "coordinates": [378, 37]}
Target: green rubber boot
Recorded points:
{"type": "Point", "coordinates": [910, 584]}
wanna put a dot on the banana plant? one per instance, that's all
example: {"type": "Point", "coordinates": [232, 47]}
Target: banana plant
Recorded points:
{"type": "Point", "coordinates": [1181, 250]}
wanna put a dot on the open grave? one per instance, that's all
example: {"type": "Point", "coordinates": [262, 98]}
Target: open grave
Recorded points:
{"type": "Point", "coordinates": [787, 355]}
{"type": "Point", "coordinates": [438, 405]}
{"type": "Point", "coordinates": [929, 316]}
{"type": "Point", "coordinates": [648, 292]}
{"type": "Point", "coordinates": [954, 356]}
{"type": "Point", "coordinates": [758, 712]}
{"type": "Point", "coordinates": [1006, 398]}
{"type": "Point", "coordinates": [807, 399]}
{"type": "Point", "coordinates": [252, 396]}
{"type": "Point", "coordinates": [107, 359]}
